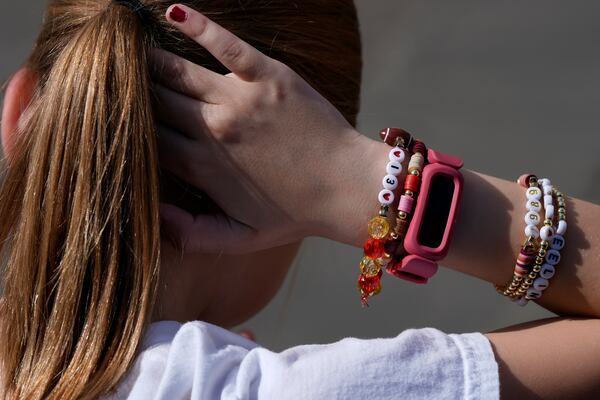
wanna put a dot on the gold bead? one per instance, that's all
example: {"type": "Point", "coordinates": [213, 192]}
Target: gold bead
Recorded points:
{"type": "Point", "coordinates": [562, 210]}
{"type": "Point", "coordinates": [415, 172]}
{"type": "Point", "coordinates": [533, 181]}
{"type": "Point", "coordinates": [378, 227]}
{"type": "Point", "coordinates": [544, 244]}
{"type": "Point", "coordinates": [548, 222]}
{"type": "Point", "coordinates": [539, 260]}
{"type": "Point", "coordinates": [537, 268]}
{"type": "Point", "coordinates": [542, 253]}
{"type": "Point", "coordinates": [402, 215]}
{"type": "Point", "coordinates": [409, 193]}
{"type": "Point", "coordinates": [369, 267]}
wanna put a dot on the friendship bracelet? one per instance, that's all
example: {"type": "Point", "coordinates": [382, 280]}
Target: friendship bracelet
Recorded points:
{"type": "Point", "coordinates": [552, 242]}
{"type": "Point", "coordinates": [528, 249]}
{"type": "Point", "coordinates": [529, 282]}
{"type": "Point", "coordinates": [406, 206]}
{"type": "Point", "coordinates": [375, 257]}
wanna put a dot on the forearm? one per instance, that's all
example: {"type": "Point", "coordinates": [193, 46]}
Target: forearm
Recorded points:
{"type": "Point", "coordinates": [555, 358]}
{"type": "Point", "coordinates": [488, 233]}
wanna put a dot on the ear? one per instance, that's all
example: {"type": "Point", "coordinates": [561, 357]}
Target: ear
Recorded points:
{"type": "Point", "coordinates": [16, 99]}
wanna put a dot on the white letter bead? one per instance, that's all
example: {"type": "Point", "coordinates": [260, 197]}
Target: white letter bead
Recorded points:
{"type": "Point", "coordinates": [549, 211]}
{"type": "Point", "coordinates": [534, 205]}
{"type": "Point", "coordinates": [553, 257]}
{"type": "Point", "coordinates": [532, 218]}
{"type": "Point", "coordinates": [394, 168]}
{"type": "Point", "coordinates": [540, 284]}
{"type": "Point", "coordinates": [534, 193]}
{"type": "Point", "coordinates": [397, 154]}
{"type": "Point", "coordinates": [547, 189]}
{"type": "Point", "coordinates": [557, 242]}
{"type": "Point", "coordinates": [522, 301]}
{"type": "Point", "coordinates": [547, 271]}
{"type": "Point", "coordinates": [533, 231]}
{"type": "Point", "coordinates": [546, 233]}
{"type": "Point", "coordinates": [533, 294]}
{"type": "Point", "coordinates": [386, 197]}
{"type": "Point", "coordinates": [390, 182]}
{"type": "Point", "coordinates": [562, 227]}
{"type": "Point", "coordinates": [548, 199]}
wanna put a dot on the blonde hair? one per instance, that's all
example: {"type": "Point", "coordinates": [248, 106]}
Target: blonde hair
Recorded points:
{"type": "Point", "coordinates": [79, 199]}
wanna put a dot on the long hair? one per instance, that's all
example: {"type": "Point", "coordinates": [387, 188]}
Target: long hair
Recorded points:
{"type": "Point", "coordinates": [79, 221]}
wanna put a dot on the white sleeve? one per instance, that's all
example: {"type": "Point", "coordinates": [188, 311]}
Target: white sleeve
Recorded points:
{"type": "Point", "coordinates": [205, 362]}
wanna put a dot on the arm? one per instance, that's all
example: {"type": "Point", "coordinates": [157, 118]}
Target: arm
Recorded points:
{"type": "Point", "coordinates": [318, 176]}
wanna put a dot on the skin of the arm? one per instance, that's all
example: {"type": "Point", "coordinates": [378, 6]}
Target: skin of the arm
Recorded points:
{"type": "Point", "coordinates": [557, 358]}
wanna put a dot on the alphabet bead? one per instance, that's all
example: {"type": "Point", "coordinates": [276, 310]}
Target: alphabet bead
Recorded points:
{"type": "Point", "coordinates": [533, 231]}
{"type": "Point", "coordinates": [532, 218]}
{"type": "Point", "coordinates": [557, 242]}
{"type": "Point", "coordinates": [534, 193]}
{"type": "Point", "coordinates": [534, 205]}
{"type": "Point", "coordinates": [386, 197]}
{"type": "Point", "coordinates": [394, 168]}
{"type": "Point", "coordinates": [540, 284]}
{"type": "Point", "coordinates": [397, 154]}
{"type": "Point", "coordinates": [390, 182]}
{"type": "Point", "coordinates": [553, 257]}
{"type": "Point", "coordinates": [533, 294]}
{"type": "Point", "coordinates": [547, 271]}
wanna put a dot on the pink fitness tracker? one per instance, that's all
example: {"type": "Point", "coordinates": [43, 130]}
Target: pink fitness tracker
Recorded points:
{"type": "Point", "coordinates": [428, 238]}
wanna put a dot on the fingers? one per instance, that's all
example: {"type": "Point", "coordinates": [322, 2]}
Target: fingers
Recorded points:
{"type": "Point", "coordinates": [183, 113]}
{"type": "Point", "coordinates": [178, 154]}
{"type": "Point", "coordinates": [187, 78]}
{"type": "Point", "coordinates": [206, 233]}
{"type": "Point", "coordinates": [236, 55]}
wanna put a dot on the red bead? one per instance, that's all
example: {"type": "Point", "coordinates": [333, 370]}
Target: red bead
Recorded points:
{"type": "Point", "coordinates": [419, 147]}
{"type": "Point", "coordinates": [374, 248]}
{"type": "Point", "coordinates": [412, 183]}
{"type": "Point", "coordinates": [369, 286]}
{"type": "Point", "coordinates": [389, 136]}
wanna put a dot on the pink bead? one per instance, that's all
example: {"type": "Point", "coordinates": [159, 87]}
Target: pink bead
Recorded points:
{"type": "Point", "coordinates": [406, 204]}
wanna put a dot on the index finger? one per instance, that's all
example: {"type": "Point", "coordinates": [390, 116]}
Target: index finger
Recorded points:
{"type": "Point", "coordinates": [236, 55]}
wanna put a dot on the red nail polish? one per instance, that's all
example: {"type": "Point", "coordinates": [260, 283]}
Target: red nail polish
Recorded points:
{"type": "Point", "coordinates": [178, 14]}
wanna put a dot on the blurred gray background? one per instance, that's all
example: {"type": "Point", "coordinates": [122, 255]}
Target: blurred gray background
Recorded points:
{"type": "Point", "coordinates": [511, 86]}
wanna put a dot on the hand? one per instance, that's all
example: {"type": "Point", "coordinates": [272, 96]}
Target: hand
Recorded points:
{"type": "Point", "coordinates": [266, 147]}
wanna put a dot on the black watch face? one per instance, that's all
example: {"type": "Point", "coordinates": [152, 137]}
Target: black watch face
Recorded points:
{"type": "Point", "coordinates": [437, 210]}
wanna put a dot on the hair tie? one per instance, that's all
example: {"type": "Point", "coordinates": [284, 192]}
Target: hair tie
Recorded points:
{"type": "Point", "coordinates": [137, 7]}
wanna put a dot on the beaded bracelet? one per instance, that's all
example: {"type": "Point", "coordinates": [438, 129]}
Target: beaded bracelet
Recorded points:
{"type": "Point", "coordinates": [375, 257]}
{"type": "Point", "coordinates": [520, 288]}
{"type": "Point", "coordinates": [553, 241]}
{"type": "Point", "coordinates": [412, 186]}
{"type": "Point", "coordinates": [528, 249]}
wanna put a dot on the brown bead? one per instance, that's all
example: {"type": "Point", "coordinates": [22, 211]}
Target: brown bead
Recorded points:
{"type": "Point", "coordinates": [389, 136]}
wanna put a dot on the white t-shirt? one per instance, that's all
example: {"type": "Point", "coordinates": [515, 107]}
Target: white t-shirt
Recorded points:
{"type": "Point", "coordinates": [198, 360]}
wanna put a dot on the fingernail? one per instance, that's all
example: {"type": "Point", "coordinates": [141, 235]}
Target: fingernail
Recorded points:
{"type": "Point", "coordinates": [178, 14]}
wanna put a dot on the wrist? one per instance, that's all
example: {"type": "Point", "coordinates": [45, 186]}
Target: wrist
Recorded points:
{"type": "Point", "coordinates": [352, 201]}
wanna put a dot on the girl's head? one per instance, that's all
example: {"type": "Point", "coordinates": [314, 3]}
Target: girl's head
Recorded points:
{"type": "Point", "coordinates": [80, 227]}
